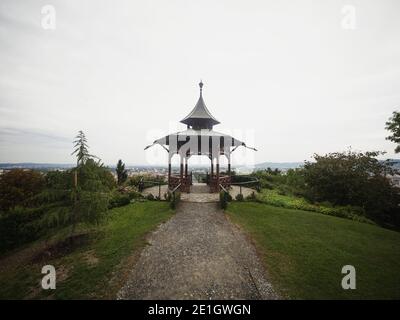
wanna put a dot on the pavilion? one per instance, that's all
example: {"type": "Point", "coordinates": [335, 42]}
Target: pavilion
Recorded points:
{"type": "Point", "coordinates": [199, 139]}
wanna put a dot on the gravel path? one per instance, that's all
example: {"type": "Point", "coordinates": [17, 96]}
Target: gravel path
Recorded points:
{"type": "Point", "coordinates": [198, 254]}
{"type": "Point", "coordinates": [200, 192]}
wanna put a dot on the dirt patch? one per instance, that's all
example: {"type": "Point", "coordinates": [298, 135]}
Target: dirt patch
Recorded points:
{"type": "Point", "coordinates": [61, 248]}
{"type": "Point", "coordinates": [62, 273]}
{"type": "Point", "coordinates": [90, 258]}
{"type": "Point", "coordinates": [20, 256]}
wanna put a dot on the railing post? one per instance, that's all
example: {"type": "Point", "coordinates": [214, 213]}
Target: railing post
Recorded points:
{"type": "Point", "coordinates": [159, 190]}
{"type": "Point", "coordinates": [141, 185]}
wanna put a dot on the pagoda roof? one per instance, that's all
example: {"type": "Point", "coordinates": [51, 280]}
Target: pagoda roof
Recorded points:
{"type": "Point", "coordinates": [178, 139]}
{"type": "Point", "coordinates": [201, 132]}
{"type": "Point", "coordinates": [199, 138]}
{"type": "Point", "coordinates": [200, 116]}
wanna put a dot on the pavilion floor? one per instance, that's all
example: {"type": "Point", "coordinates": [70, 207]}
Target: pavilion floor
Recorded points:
{"type": "Point", "coordinates": [199, 192]}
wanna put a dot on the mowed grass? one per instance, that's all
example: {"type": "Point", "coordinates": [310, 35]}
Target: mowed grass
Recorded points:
{"type": "Point", "coordinates": [97, 269]}
{"type": "Point", "coordinates": [304, 252]}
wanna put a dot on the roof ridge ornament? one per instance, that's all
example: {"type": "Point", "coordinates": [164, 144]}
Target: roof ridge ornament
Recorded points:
{"type": "Point", "coordinates": [200, 117]}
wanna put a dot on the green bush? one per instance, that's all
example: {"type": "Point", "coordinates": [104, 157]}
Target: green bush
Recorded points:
{"type": "Point", "coordinates": [239, 197]}
{"type": "Point", "coordinates": [150, 197]}
{"type": "Point", "coordinates": [134, 195]}
{"type": "Point", "coordinates": [119, 200]}
{"type": "Point", "coordinates": [266, 184]}
{"type": "Point", "coordinates": [223, 199]}
{"type": "Point", "coordinates": [274, 198]}
{"type": "Point", "coordinates": [18, 226]}
{"type": "Point", "coordinates": [174, 199]}
{"type": "Point", "coordinates": [356, 179]}
{"type": "Point", "coordinates": [19, 185]}
{"type": "Point", "coordinates": [251, 196]}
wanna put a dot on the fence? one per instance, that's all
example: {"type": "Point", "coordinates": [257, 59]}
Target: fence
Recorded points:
{"type": "Point", "coordinates": [254, 183]}
{"type": "Point", "coordinates": [148, 183]}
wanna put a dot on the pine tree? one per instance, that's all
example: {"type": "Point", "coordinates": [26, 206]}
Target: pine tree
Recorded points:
{"type": "Point", "coordinates": [122, 174]}
{"type": "Point", "coordinates": [90, 188]}
{"type": "Point", "coordinates": [81, 149]}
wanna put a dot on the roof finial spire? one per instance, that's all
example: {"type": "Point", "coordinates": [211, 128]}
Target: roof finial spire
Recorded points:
{"type": "Point", "coordinates": [201, 87]}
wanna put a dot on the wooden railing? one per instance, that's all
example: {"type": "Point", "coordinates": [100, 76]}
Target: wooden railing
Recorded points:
{"type": "Point", "coordinates": [254, 184]}
{"type": "Point", "coordinates": [184, 183]}
{"type": "Point", "coordinates": [225, 181]}
{"type": "Point", "coordinates": [174, 181]}
{"type": "Point", "coordinates": [174, 199]}
{"type": "Point", "coordinates": [143, 183]}
{"type": "Point", "coordinates": [214, 183]}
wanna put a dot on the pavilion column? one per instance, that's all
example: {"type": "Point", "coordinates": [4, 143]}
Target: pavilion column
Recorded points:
{"type": "Point", "coordinates": [229, 164]}
{"type": "Point", "coordinates": [186, 167]}
{"type": "Point", "coordinates": [169, 169]}
{"type": "Point", "coordinates": [212, 167]}
{"type": "Point", "coordinates": [218, 173]}
{"type": "Point", "coordinates": [181, 169]}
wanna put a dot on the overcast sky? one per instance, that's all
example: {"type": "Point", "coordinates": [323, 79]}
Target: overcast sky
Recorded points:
{"type": "Point", "coordinates": [289, 77]}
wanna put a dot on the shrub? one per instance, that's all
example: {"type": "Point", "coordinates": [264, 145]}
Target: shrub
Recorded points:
{"type": "Point", "coordinates": [223, 199]}
{"type": "Point", "coordinates": [251, 196]}
{"type": "Point", "coordinates": [356, 179]}
{"type": "Point", "coordinates": [17, 226]}
{"type": "Point", "coordinates": [174, 199]}
{"type": "Point", "coordinates": [130, 191]}
{"type": "Point", "coordinates": [239, 197]}
{"type": "Point", "coordinates": [119, 200]}
{"type": "Point", "coordinates": [134, 195]}
{"type": "Point", "coordinates": [266, 185]}
{"type": "Point", "coordinates": [17, 186]}
{"type": "Point", "coordinates": [150, 197]}
{"type": "Point", "coordinates": [272, 197]}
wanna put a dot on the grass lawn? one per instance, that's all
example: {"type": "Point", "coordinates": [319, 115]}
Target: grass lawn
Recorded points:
{"type": "Point", "coordinates": [94, 270]}
{"type": "Point", "coordinates": [304, 252]}
{"type": "Point", "coordinates": [274, 198]}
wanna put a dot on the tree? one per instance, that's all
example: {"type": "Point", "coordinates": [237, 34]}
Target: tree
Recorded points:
{"type": "Point", "coordinates": [354, 178]}
{"type": "Point", "coordinates": [92, 186]}
{"type": "Point", "coordinates": [81, 149]}
{"type": "Point", "coordinates": [122, 174]}
{"type": "Point", "coordinates": [393, 125]}
{"type": "Point", "coordinates": [17, 186]}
